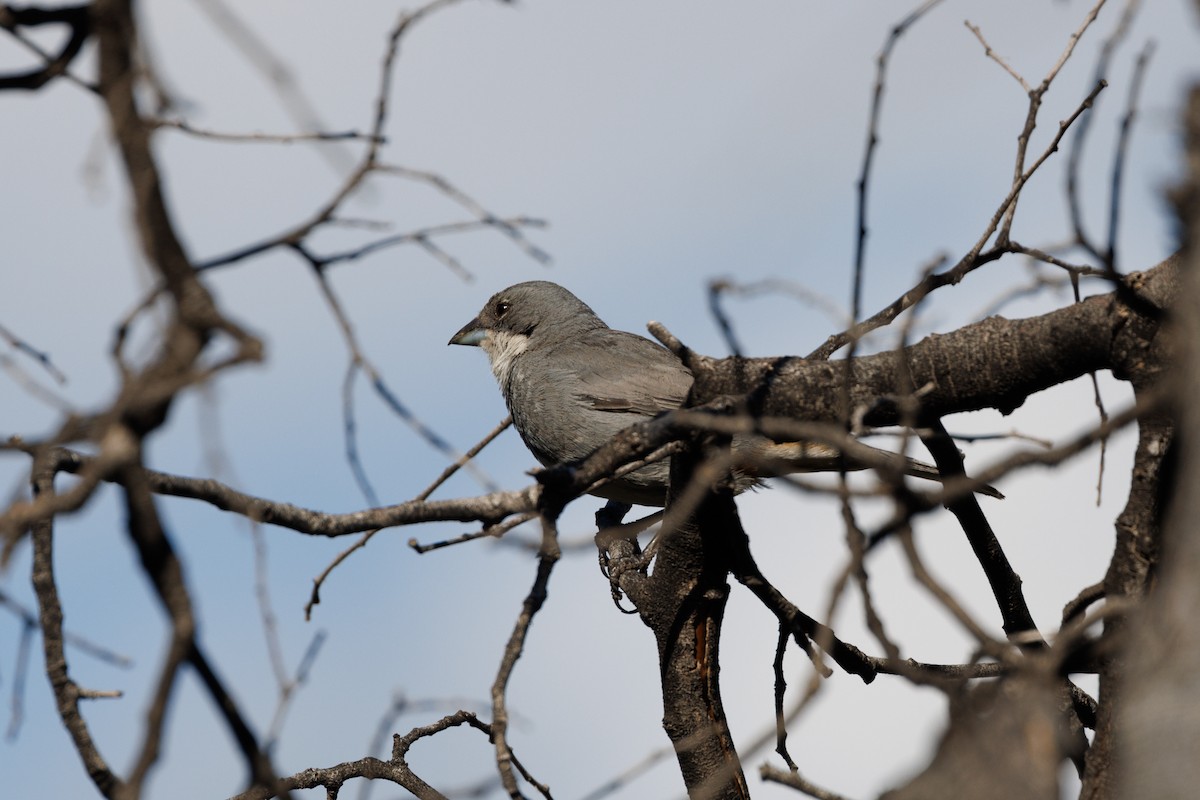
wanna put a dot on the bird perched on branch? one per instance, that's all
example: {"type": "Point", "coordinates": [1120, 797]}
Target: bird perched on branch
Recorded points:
{"type": "Point", "coordinates": [571, 383]}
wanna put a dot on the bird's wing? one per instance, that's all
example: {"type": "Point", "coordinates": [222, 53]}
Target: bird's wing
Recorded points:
{"type": "Point", "coordinates": [626, 373]}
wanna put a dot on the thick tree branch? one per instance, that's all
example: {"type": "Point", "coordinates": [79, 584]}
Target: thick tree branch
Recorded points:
{"type": "Point", "coordinates": [996, 363]}
{"type": "Point", "coordinates": [684, 607]}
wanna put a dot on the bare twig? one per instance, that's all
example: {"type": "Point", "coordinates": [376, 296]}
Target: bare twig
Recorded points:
{"type": "Point", "coordinates": [358, 360]}
{"type": "Point", "coordinates": [260, 55]}
{"type": "Point", "coordinates": [32, 386]}
{"type": "Point", "coordinates": [992, 54]}
{"type": "Point", "coordinates": [257, 137]}
{"type": "Point", "coordinates": [1119, 154]}
{"type": "Point", "coordinates": [490, 531]}
{"type": "Point", "coordinates": [465, 458]}
{"type": "Point", "coordinates": [29, 625]}
{"type": "Point", "coordinates": [510, 228]}
{"type": "Point", "coordinates": [794, 779]}
{"type": "Point", "coordinates": [802, 627]}
{"type": "Point", "coordinates": [1075, 155]}
{"type": "Point", "coordinates": [780, 692]}
{"type": "Point", "coordinates": [1035, 103]}
{"type": "Point", "coordinates": [395, 769]}
{"type": "Point", "coordinates": [40, 357]}
{"type": "Point", "coordinates": [66, 692]}
{"type": "Point", "coordinates": [75, 17]}
{"type": "Point", "coordinates": [972, 260]}
{"type": "Point", "coordinates": [943, 596]}
{"type": "Point", "coordinates": [165, 572]}
{"type": "Point", "coordinates": [1038, 282]}
{"type": "Point", "coordinates": [368, 164]}
{"type": "Point", "coordinates": [350, 427]}
{"type": "Point", "coordinates": [402, 705]}
{"type": "Point", "coordinates": [289, 685]}
{"type": "Point", "coordinates": [490, 507]}
{"type": "Point", "coordinates": [547, 557]}
{"type": "Point", "coordinates": [115, 450]}
{"type": "Point", "coordinates": [1079, 604]}
{"type": "Point", "coordinates": [1073, 40]}
{"type": "Point", "coordinates": [319, 581]}
{"type": "Point", "coordinates": [881, 65]}
{"type": "Point", "coordinates": [923, 504]}
{"type": "Point", "coordinates": [615, 784]}
{"type": "Point", "coordinates": [720, 287]}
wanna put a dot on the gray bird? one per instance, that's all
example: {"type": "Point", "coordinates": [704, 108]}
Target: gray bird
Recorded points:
{"type": "Point", "coordinates": [571, 383]}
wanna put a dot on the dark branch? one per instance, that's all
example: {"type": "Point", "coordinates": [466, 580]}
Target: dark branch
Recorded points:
{"type": "Point", "coordinates": [77, 19]}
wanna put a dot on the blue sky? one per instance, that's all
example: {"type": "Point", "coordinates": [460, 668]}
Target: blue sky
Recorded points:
{"type": "Point", "coordinates": [665, 144]}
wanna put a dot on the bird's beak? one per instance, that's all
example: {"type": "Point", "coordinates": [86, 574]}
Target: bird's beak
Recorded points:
{"type": "Point", "coordinates": [473, 333]}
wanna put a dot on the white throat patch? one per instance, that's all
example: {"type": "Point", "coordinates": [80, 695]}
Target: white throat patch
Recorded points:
{"type": "Point", "coordinates": [501, 348]}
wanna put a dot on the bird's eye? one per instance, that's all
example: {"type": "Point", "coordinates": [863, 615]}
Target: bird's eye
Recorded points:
{"type": "Point", "coordinates": [502, 308]}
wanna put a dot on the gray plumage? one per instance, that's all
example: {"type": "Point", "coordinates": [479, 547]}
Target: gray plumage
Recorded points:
{"type": "Point", "coordinates": [571, 383]}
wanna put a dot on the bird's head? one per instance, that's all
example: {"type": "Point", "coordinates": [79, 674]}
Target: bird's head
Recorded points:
{"type": "Point", "coordinates": [531, 314]}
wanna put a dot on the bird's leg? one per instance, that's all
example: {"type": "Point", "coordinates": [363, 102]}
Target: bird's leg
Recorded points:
{"type": "Point", "coordinates": [608, 518]}
{"type": "Point", "coordinates": [611, 515]}
{"type": "Point", "coordinates": [608, 538]}
{"type": "Point", "coordinates": [618, 547]}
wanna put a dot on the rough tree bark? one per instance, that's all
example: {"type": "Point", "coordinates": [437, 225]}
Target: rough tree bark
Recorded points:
{"type": "Point", "coordinates": [996, 363]}
{"type": "Point", "coordinates": [1157, 721]}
